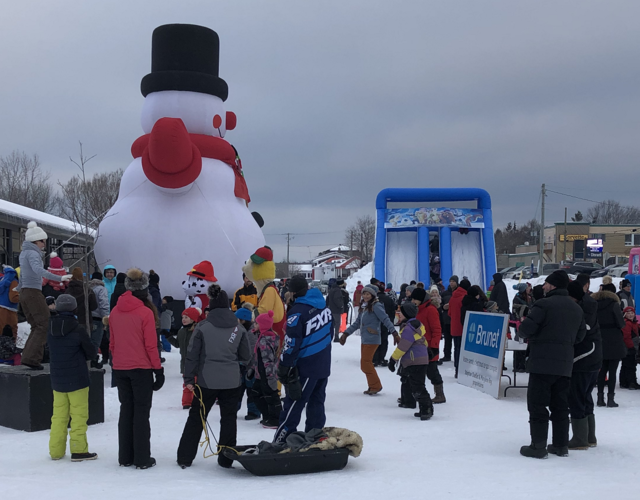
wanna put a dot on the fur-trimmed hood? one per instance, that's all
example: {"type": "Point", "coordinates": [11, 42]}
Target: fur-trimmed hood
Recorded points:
{"type": "Point", "coordinates": [95, 283]}
{"type": "Point", "coordinates": [603, 295]}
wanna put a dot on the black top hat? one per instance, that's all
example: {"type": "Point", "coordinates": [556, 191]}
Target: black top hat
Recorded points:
{"type": "Point", "coordinates": [185, 57]}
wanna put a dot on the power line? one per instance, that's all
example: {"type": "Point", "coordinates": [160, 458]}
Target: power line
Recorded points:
{"type": "Point", "coordinates": [300, 234]}
{"type": "Point", "coordinates": [579, 198]}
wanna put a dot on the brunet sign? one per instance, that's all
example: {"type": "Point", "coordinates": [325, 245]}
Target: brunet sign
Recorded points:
{"type": "Point", "coordinates": [482, 352]}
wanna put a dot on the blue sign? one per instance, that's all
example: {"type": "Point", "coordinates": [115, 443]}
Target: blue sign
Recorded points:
{"type": "Point", "coordinates": [484, 334]}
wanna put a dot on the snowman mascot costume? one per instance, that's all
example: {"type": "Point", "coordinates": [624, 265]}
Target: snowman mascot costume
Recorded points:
{"type": "Point", "coordinates": [183, 198]}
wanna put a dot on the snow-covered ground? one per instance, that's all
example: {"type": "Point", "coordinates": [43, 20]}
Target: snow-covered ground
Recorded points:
{"type": "Point", "coordinates": [469, 449]}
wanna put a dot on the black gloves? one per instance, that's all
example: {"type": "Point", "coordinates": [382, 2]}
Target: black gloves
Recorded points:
{"type": "Point", "coordinates": [433, 352]}
{"type": "Point", "coordinates": [159, 376]}
{"type": "Point", "coordinates": [392, 365]}
{"type": "Point", "coordinates": [288, 376]}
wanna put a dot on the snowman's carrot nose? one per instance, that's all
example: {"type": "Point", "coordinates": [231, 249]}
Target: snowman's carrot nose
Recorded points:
{"type": "Point", "coordinates": [171, 160]}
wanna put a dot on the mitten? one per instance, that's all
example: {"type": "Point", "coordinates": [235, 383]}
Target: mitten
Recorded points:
{"type": "Point", "coordinates": [159, 379]}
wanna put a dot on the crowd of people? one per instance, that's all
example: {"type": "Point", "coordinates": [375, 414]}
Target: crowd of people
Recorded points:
{"type": "Point", "coordinates": [273, 344]}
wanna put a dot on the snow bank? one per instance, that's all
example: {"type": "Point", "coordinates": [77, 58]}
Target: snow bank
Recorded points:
{"type": "Point", "coordinates": [594, 286]}
{"type": "Point", "coordinates": [365, 274]}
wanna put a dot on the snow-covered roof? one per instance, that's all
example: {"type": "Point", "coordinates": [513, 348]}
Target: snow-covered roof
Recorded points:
{"type": "Point", "coordinates": [29, 214]}
{"type": "Point", "coordinates": [352, 263]}
{"type": "Point", "coordinates": [340, 248]}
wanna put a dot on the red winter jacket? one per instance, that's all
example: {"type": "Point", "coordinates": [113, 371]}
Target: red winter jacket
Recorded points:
{"type": "Point", "coordinates": [134, 343]}
{"type": "Point", "coordinates": [629, 331]}
{"type": "Point", "coordinates": [455, 308]}
{"type": "Point", "coordinates": [429, 316]}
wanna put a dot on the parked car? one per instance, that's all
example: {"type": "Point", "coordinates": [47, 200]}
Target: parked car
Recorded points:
{"type": "Point", "coordinates": [507, 270]}
{"type": "Point", "coordinates": [524, 271]}
{"type": "Point", "coordinates": [602, 272]}
{"type": "Point", "coordinates": [318, 284]}
{"type": "Point", "coordinates": [549, 267]}
{"type": "Point", "coordinates": [581, 267]}
{"type": "Point", "coordinates": [619, 271]}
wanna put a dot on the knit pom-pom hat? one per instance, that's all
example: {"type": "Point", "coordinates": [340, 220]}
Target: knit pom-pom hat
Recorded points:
{"type": "Point", "coordinates": [265, 321]}
{"type": "Point", "coordinates": [55, 262]}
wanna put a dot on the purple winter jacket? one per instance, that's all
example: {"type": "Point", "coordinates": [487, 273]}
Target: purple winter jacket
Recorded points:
{"type": "Point", "coordinates": [413, 347]}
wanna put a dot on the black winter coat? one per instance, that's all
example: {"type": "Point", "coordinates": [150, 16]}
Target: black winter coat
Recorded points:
{"type": "Point", "coordinates": [69, 349]}
{"type": "Point", "coordinates": [446, 297]}
{"type": "Point", "coordinates": [389, 307]}
{"type": "Point", "coordinates": [334, 300]}
{"type": "Point", "coordinates": [499, 294]}
{"type": "Point", "coordinates": [554, 324]}
{"type": "Point", "coordinates": [587, 355]}
{"type": "Point", "coordinates": [470, 303]}
{"type": "Point", "coordinates": [118, 290]}
{"type": "Point", "coordinates": [611, 325]}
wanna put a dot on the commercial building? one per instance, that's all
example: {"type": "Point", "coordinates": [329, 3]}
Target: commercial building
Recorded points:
{"type": "Point", "coordinates": [603, 243]}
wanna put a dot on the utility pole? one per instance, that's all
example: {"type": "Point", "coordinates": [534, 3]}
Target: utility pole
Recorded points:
{"type": "Point", "coordinates": [288, 239]}
{"type": "Point", "coordinates": [544, 194]}
{"type": "Point", "coordinates": [564, 252]}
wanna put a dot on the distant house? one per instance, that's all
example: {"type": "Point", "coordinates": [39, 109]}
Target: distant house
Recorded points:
{"type": "Point", "coordinates": [65, 236]}
{"type": "Point", "coordinates": [305, 269]}
{"type": "Point", "coordinates": [336, 267]}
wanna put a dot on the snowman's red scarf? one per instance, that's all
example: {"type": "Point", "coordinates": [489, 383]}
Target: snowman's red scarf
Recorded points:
{"type": "Point", "coordinates": [210, 147]}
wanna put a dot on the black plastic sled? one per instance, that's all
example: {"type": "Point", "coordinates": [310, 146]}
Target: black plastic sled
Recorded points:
{"type": "Point", "coordinates": [281, 464]}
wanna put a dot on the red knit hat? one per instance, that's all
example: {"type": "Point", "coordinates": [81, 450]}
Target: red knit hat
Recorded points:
{"type": "Point", "coordinates": [203, 270]}
{"type": "Point", "coordinates": [262, 254]}
{"type": "Point", "coordinates": [629, 308]}
{"type": "Point", "coordinates": [265, 321]}
{"type": "Point", "coordinates": [193, 313]}
{"type": "Point", "coordinates": [55, 262]}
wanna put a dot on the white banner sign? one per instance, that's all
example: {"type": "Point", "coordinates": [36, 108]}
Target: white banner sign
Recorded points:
{"type": "Point", "coordinates": [482, 352]}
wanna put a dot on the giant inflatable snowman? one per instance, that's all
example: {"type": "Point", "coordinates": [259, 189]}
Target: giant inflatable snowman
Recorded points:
{"type": "Point", "coordinates": [183, 199]}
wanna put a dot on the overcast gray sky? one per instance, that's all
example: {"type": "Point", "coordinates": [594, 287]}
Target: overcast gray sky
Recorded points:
{"type": "Point", "coordinates": [337, 100]}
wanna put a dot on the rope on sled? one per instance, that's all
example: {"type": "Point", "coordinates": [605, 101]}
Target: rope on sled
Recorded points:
{"type": "Point", "coordinates": [207, 429]}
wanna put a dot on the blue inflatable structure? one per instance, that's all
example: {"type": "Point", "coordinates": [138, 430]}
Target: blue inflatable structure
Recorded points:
{"type": "Point", "coordinates": [461, 238]}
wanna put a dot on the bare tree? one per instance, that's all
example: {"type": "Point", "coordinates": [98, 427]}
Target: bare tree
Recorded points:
{"type": "Point", "coordinates": [612, 212]}
{"type": "Point", "coordinates": [75, 196]}
{"type": "Point", "coordinates": [92, 198]}
{"type": "Point", "coordinates": [362, 236]}
{"type": "Point", "coordinates": [23, 181]}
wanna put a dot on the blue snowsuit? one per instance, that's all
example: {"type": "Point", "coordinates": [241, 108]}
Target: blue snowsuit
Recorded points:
{"type": "Point", "coordinates": [307, 345]}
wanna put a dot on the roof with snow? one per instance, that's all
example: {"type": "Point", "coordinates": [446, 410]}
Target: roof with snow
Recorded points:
{"type": "Point", "coordinates": [26, 215]}
{"type": "Point", "coordinates": [340, 248]}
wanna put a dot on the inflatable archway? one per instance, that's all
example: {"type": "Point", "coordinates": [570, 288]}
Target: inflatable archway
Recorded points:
{"type": "Point", "coordinates": [408, 239]}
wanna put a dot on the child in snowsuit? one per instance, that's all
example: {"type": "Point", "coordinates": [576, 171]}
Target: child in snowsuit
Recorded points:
{"type": "Point", "coordinates": [9, 300]}
{"type": "Point", "coordinates": [265, 387]}
{"type": "Point", "coordinates": [245, 318]}
{"type": "Point", "coordinates": [413, 353]}
{"type": "Point", "coordinates": [70, 347]}
{"type": "Point", "coordinates": [190, 318]}
{"type": "Point", "coordinates": [51, 288]}
{"type": "Point", "coordinates": [630, 333]}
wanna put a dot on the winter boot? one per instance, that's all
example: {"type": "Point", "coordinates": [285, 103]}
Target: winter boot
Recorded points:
{"type": "Point", "coordinates": [273, 419]}
{"type": "Point", "coordinates": [633, 385]}
{"type": "Point", "coordinates": [561, 451]}
{"type": "Point", "coordinates": [610, 401]}
{"type": "Point", "coordinates": [148, 465]}
{"type": "Point", "coordinates": [601, 399]}
{"type": "Point", "coordinates": [580, 427]}
{"type": "Point", "coordinates": [535, 450]}
{"type": "Point", "coordinates": [79, 457]}
{"type": "Point", "coordinates": [439, 395]}
{"type": "Point", "coordinates": [426, 411]}
{"type": "Point", "coordinates": [591, 436]}
{"type": "Point", "coordinates": [406, 405]}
